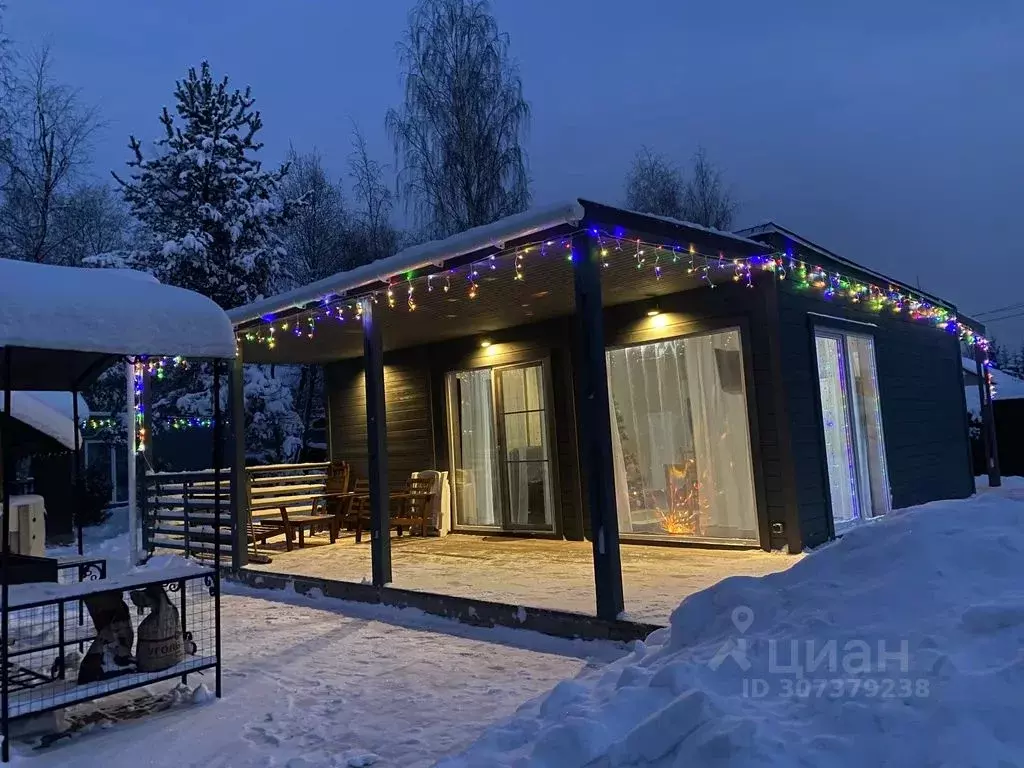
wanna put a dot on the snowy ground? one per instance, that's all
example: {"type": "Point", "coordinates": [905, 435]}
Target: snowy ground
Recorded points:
{"type": "Point", "coordinates": [901, 644]}
{"type": "Point", "coordinates": [322, 682]}
{"type": "Point", "coordinates": [536, 573]}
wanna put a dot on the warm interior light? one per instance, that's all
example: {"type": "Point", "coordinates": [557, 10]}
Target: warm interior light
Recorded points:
{"type": "Point", "coordinates": [485, 343]}
{"type": "Point", "coordinates": [653, 312]}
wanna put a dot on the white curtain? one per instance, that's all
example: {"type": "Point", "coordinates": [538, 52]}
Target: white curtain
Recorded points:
{"type": "Point", "coordinates": [680, 438]}
{"type": "Point", "coordinates": [526, 448]}
{"type": "Point", "coordinates": [839, 445]}
{"type": "Point", "coordinates": [721, 432]}
{"type": "Point", "coordinates": [476, 482]}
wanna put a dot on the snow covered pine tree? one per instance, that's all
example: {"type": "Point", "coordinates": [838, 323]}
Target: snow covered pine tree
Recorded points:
{"type": "Point", "coordinates": [208, 215]}
{"type": "Point", "coordinates": [208, 210]}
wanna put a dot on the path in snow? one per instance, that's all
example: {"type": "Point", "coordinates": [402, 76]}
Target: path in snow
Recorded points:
{"type": "Point", "coordinates": [322, 682]}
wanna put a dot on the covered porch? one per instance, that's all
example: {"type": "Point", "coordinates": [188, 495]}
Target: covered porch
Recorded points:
{"type": "Point", "coordinates": [490, 360]}
{"type": "Point", "coordinates": [538, 573]}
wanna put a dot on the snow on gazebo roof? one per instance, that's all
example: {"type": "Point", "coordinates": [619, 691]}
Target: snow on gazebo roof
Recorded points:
{"type": "Point", "coordinates": [92, 314]}
{"type": "Point", "coordinates": [48, 412]}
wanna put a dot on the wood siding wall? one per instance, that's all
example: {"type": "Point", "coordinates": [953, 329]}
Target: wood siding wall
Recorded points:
{"type": "Point", "coordinates": [417, 408]}
{"type": "Point", "coordinates": [922, 399]}
{"type": "Point", "coordinates": [410, 427]}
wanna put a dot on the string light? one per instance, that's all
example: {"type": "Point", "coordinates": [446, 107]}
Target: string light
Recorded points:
{"type": "Point", "coordinates": [709, 269]}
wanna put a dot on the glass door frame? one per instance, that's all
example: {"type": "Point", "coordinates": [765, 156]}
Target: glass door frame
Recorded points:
{"type": "Point", "coordinates": [693, 330]}
{"type": "Point", "coordinates": [497, 424]}
{"type": "Point", "coordinates": [840, 331]}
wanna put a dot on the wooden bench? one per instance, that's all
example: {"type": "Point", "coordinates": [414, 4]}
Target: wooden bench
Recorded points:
{"type": "Point", "coordinates": [298, 496]}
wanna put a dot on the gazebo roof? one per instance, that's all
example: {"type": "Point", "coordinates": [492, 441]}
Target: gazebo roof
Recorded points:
{"type": "Point", "coordinates": [88, 316]}
{"type": "Point", "coordinates": [50, 413]}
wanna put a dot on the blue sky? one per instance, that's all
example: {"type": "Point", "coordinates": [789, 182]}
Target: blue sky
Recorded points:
{"type": "Point", "coordinates": [889, 131]}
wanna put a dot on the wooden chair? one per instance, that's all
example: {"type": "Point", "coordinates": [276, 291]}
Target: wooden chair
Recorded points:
{"type": "Point", "coordinates": [355, 514]}
{"type": "Point", "coordinates": [414, 505]}
{"type": "Point", "coordinates": [332, 506]}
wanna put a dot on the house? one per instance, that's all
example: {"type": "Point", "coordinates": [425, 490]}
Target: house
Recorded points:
{"type": "Point", "coordinates": [583, 371]}
{"type": "Point", "coordinates": [1007, 414]}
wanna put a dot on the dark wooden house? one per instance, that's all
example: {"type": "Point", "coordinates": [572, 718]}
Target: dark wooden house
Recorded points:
{"type": "Point", "coordinates": [589, 372]}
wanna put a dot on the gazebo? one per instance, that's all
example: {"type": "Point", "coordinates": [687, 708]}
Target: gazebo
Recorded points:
{"type": "Point", "coordinates": [60, 328]}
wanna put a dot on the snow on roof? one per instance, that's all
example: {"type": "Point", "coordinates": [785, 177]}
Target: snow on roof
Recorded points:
{"type": "Point", "coordinates": [1007, 386]}
{"type": "Point", "coordinates": [699, 227]}
{"type": "Point", "coordinates": [416, 257]}
{"type": "Point", "coordinates": [104, 311]}
{"type": "Point", "coordinates": [49, 412]}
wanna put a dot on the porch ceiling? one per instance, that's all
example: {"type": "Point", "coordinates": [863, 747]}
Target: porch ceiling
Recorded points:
{"type": "Point", "coordinates": [545, 291]}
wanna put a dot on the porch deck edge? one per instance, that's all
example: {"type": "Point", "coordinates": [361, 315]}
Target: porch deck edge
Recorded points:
{"type": "Point", "coordinates": [478, 613]}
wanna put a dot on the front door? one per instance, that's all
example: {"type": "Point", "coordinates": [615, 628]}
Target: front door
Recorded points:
{"type": "Point", "coordinates": [851, 419]}
{"type": "Point", "coordinates": [501, 448]}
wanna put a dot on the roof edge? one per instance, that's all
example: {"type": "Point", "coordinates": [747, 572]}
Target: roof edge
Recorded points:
{"type": "Point", "coordinates": [416, 257]}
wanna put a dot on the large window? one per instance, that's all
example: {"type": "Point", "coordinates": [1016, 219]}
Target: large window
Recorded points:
{"type": "Point", "coordinates": [681, 440]}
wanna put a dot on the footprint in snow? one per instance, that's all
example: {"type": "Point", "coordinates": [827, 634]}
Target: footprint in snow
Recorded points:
{"type": "Point", "coordinates": [261, 736]}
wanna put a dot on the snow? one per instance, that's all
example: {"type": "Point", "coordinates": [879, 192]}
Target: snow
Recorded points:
{"type": "Point", "coordinates": [899, 644]}
{"type": "Point", "coordinates": [100, 310]}
{"type": "Point", "coordinates": [417, 257]}
{"type": "Point", "coordinates": [49, 412]}
{"type": "Point", "coordinates": [320, 682]}
{"type": "Point", "coordinates": [1007, 386]}
{"type": "Point", "coordinates": [158, 568]}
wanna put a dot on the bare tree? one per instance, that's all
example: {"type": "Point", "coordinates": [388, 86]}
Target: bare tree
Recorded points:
{"type": "Point", "coordinates": [457, 136]}
{"type": "Point", "coordinates": [373, 236]}
{"type": "Point", "coordinates": [706, 199]}
{"type": "Point", "coordinates": [655, 185]}
{"type": "Point", "coordinates": [46, 152]}
{"type": "Point", "coordinates": [315, 238]}
{"type": "Point", "coordinates": [91, 221]}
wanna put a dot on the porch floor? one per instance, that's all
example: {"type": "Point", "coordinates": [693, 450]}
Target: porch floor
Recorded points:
{"type": "Point", "coordinates": [535, 573]}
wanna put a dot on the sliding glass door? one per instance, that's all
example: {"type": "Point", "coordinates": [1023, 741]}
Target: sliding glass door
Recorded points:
{"type": "Point", "coordinates": [681, 439]}
{"type": "Point", "coordinates": [501, 452]}
{"type": "Point", "coordinates": [851, 419]}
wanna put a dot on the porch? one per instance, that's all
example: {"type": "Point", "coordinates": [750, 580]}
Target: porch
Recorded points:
{"type": "Point", "coordinates": [534, 573]}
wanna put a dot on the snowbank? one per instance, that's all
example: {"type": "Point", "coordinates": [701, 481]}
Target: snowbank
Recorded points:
{"type": "Point", "coordinates": [901, 644]}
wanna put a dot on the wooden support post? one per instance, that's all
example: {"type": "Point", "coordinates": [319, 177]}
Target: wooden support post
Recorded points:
{"type": "Point", "coordinates": [7, 473]}
{"type": "Point", "coordinates": [594, 420]}
{"type": "Point", "coordinates": [134, 509]}
{"type": "Point", "coordinates": [239, 477]}
{"type": "Point", "coordinates": [76, 473]}
{"type": "Point", "coordinates": [218, 463]}
{"type": "Point", "coordinates": [377, 445]}
{"type": "Point", "coordinates": [988, 419]}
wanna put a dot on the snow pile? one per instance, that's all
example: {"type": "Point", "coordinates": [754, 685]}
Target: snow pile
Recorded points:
{"type": "Point", "coordinates": [901, 644]}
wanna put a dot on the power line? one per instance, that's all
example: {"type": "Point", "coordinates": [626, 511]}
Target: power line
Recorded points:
{"type": "Point", "coordinates": [1010, 316]}
{"type": "Point", "coordinates": [997, 311]}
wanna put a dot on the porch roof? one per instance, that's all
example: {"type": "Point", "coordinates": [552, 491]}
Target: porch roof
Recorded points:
{"type": "Point", "coordinates": [527, 247]}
